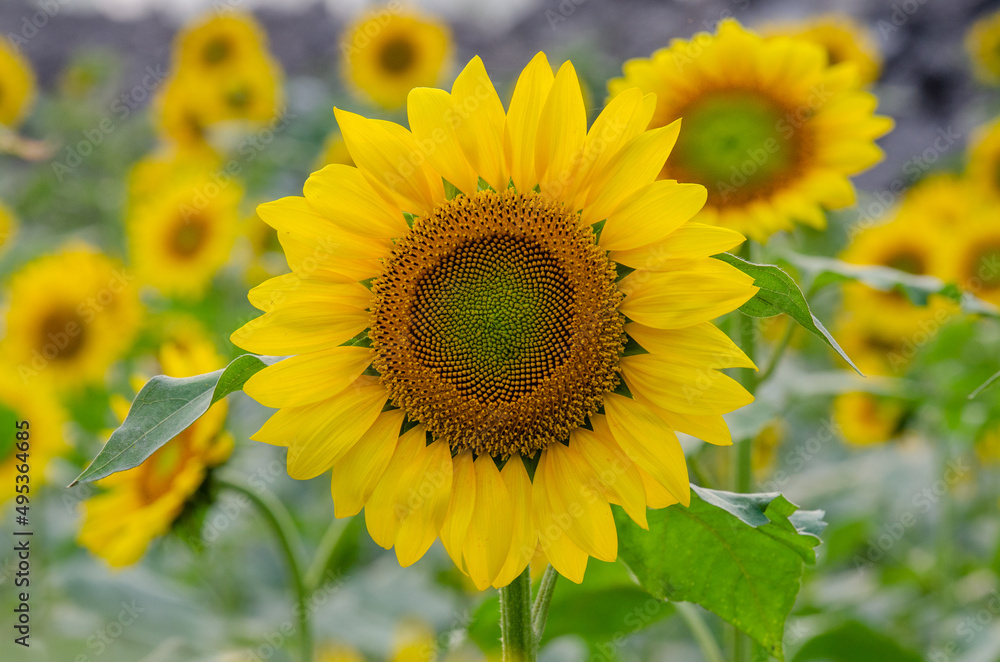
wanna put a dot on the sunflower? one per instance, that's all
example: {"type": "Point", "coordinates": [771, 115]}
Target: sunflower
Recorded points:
{"type": "Point", "coordinates": [984, 160]}
{"type": "Point", "coordinates": [944, 201]}
{"type": "Point", "coordinates": [866, 418]}
{"type": "Point", "coordinates": [982, 42]}
{"type": "Point", "coordinates": [45, 418]}
{"type": "Point", "coordinates": [470, 357]}
{"type": "Point", "coordinates": [17, 85]}
{"type": "Point", "coordinates": [141, 504]}
{"type": "Point", "coordinates": [8, 228]}
{"type": "Point", "coordinates": [183, 114]}
{"type": "Point", "coordinates": [843, 38]}
{"type": "Point", "coordinates": [770, 128]}
{"type": "Point", "coordinates": [181, 234]}
{"type": "Point", "coordinates": [974, 256]}
{"type": "Point", "coordinates": [217, 44]}
{"type": "Point", "coordinates": [70, 315]}
{"type": "Point", "coordinates": [386, 53]}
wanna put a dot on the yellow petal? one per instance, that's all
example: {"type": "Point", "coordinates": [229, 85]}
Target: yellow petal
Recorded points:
{"type": "Point", "coordinates": [699, 345]}
{"type": "Point", "coordinates": [685, 389]}
{"type": "Point", "coordinates": [343, 195]}
{"type": "Point", "coordinates": [355, 475]}
{"type": "Point", "coordinates": [479, 123]}
{"type": "Point", "coordinates": [432, 120]}
{"type": "Point", "coordinates": [311, 260]}
{"type": "Point", "coordinates": [463, 499]}
{"type": "Point", "coordinates": [307, 378]}
{"type": "Point", "coordinates": [294, 290]}
{"type": "Point", "coordinates": [576, 501]}
{"type": "Point", "coordinates": [426, 505]}
{"type": "Point", "coordinates": [614, 469]}
{"type": "Point", "coordinates": [525, 111]}
{"type": "Point", "coordinates": [712, 428]}
{"type": "Point", "coordinates": [697, 293]}
{"type": "Point", "coordinates": [299, 328]}
{"type": "Point", "coordinates": [389, 503]}
{"type": "Point", "coordinates": [319, 434]}
{"type": "Point", "coordinates": [648, 441]}
{"type": "Point", "coordinates": [689, 243]}
{"type": "Point", "coordinates": [491, 527]}
{"type": "Point", "coordinates": [634, 167]}
{"type": "Point", "coordinates": [657, 496]}
{"type": "Point", "coordinates": [391, 161]}
{"type": "Point", "coordinates": [652, 214]}
{"type": "Point", "coordinates": [524, 539]}
{"type": "Point", "coordinates": [562, 129]}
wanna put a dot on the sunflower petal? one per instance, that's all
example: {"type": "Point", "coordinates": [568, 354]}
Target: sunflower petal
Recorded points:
{"type": "Point", "coordinates": [562, 129]}
{"type": "Point", "coordinates": [525, 111]}
{"type": "Point", "coordinates": [355, 475]}
{"type": "Point", "coordinates": [480, 129]}
{"type": "Point", "coordinates": [463, 499]}
{"type": "Point", "coordinates": [652, 215]}
{"type": "Point", "coordinates": [685, 389]}
{"type": "Point", "coordinates": [699, 345]}
{"type": "Point", "coordinates": [343, 195]}
{"type": "Point", "coordinates": [432, 120]}
{"type": "Point", "coordinates": [524, 539]}
{"type": "Point", "coordinates": [491, 527]}
{"type": "Point", "coordinates": [614, 469]}
{"type": "Point", "coordinates": [307, 378]}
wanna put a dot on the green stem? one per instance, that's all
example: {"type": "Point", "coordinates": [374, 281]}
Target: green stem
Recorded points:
{"type": "Point", "coordinates": [327, 546]}
{"type": "Point", "coordinates": [706, 642]}
{"type": "Point", "coordinates": [287, 535]}
{"type": "Point", "coordinates": [516, 634]}
{"type": "Point", "coordinates": [778, 352]}
{"type": "Point", "coordinates": [540, 607]}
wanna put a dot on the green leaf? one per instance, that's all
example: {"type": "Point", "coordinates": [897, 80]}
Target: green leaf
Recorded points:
{"type": "Point", "coordinates": [854, 642]}
{"type": "Point", "coordinates": [164, 408]}
{"type": "Point", "coordinates": [740, 556]}
{"type": "Point", "coordinates": [779, 294]}
{"type": "Point", "coordinates": [918, 289]}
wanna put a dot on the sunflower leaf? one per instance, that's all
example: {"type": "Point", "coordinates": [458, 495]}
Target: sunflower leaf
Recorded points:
{"type": "Point", "coordinates": [164, 408]}
{"type": "Point", "coordinates": [778, 294]}
{"type": "Point", "coordinates": [740, 556]}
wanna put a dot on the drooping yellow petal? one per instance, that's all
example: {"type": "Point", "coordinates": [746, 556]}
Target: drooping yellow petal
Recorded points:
{"type": "Point", "coordinates": [699, 345]}
{"type": "Point", "coordinates": [479, 123]}
{"type": "Point", "coordinates": [463, 500]}
{"type": "Point", "coordinates": [657, 496]}
{"type": "Point", "coordinates": [711, 429]}
{"type": "Point", "coordinates": [569, 560]}
{"type": "Point", "coordinates": [649, 442]}
{"type": "Point", "coordinates": [391, 161]}
{"type": "Point", "coordinates": [433, 120]}
{"type": "Point", "coordinates": [390, 501]}
{"type": "Point", "coordinates": [689, 243]}
{"type": "Point", "coordinates": [614, 469]}
{"type": "Point", "coordinates": [319, 434]}
{"type": "Point", "coordinates": [574, 497]}
{"type": "Point", "coordinates": [652, 214]}
{"type": "Point", "coordinates": [562, 129]}
{"type": "Point", "coordinates": [634, 167]}
{"type": "Point", "coordinates": [685, 389]}
{"type": "Point", "coordinates": [521, 130]}
{"type": "Point", "coordinates": [491, 527]}
{"type": "Point", "coordinates": [524, 538]}
{"type": "Point", "coordinates": [698, 293]}
{"type": "Point", "coordinates": [355, 475]}
{"type": "Point", "coordinates": [307, 378]}
{"type": "Point", "coordinates": [343, 195]}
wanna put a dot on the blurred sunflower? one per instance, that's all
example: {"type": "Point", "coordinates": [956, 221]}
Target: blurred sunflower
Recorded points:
{"type": "Point", "coordinates": [17, 84]}
{"type": "Point", "coordinates": [844, 39]}
{"type": "Point", "coordinates": [218, 44]}
{"type": "Point", "coordinates": [984, 160]}
{"type": "Point", "coordinates": [8, 228]}
{"type": "Point", "coordinates": [462, 360]}
{"type": "Point", "coordinates": [387, 53]}
{"type": "Point", "coordinates": [141, 504]}
{"type": "Point", "coordinates": [866, 418]}
{"type": "Point", "coordinates": [45, 417]}
{"type": "Point", "coordinates": [974, 256]}
{"type": "Point", "coordinates": [770, 128]}
{"type": "Point", "coordinates": [70, 315]}
{"type": "Point", "coordinates": [334, 151]}
{"type": "Point", "coordinates": [943, 200]}
{"type": "Point", "coordinates": [982, 43]}
{"type": "Point", "coordinates": [181, 236]}
{"type": "Point", "coordinates": [183, 115]}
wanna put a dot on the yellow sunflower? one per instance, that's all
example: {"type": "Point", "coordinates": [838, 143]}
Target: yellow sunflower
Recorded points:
{"type": "Point", "coordinates": [984, 160]}
{"type": "Point", "coordinates": [386, 53]}
{"type": "Point", "coordinates": [462, 360]}
{"type": "Point", "coordinates": [865, 418]}
{"type": "Point", "coordinates": [45, 420]}
{"type": "Point", "coordinates": [70, 315]}
{"type": "Point", "coordinates": [982, 42]}
{"type": "Point", "coordinates": [944, 200]}
{"type": "Point", "coordinates": [142, 503]}
{"type": "Point", "coordinates": [181, 234]}
{"type": "Point", "coordinates": [219, 43]}
{"type": "Point", "coordinates": [770, 128]}
{"type": "Point", "coordinates": [183, 114]}
{"type": "Point", "coordinates": [17, 85]}
{"type": "Point", "coordinates": [843, 38]}
{"type": "Point", "coordinates": [8, 228]}
{"type": "Point", "coordinates": [974, 256]}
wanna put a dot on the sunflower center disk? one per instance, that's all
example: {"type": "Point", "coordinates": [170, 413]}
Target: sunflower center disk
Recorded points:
{"type": "Point", "coordinates": [986, 267]}
{"type": "Point", "coordinates": [496, 324]}
{"type": "Point", "coordinates": [396, 55]}
{"type": "Point", "coordinates": [737, 144]}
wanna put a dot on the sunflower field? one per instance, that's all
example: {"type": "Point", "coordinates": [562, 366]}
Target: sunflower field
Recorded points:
{"type": "Point", "coordinates": [539, 331]}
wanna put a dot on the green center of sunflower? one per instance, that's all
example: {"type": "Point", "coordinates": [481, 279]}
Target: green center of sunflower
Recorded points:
{"type": "Point", "coordinates": [495, 323]}
{"type": "Point", "coordinates": [396, 55]}
{"type": "Point", "coordinates": [217, 50]}
{"type": "Point", "coordinates": [986, 267]}
{"type": "Point", "coordinates": [62, 335]}
{"type": "Point", "coordinates": [188, 237]}
{"type": "Point", "coordinates": [737, 144]}
{"type": "Point", "coordinates": [8, 440]}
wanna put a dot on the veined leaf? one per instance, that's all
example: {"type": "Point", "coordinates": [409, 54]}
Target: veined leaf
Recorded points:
{"type": "Point", "coordinates": [164, 408]}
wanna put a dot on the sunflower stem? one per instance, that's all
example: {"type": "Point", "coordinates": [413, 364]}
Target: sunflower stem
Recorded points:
{"type": "Point", "coordinates": [779, 351]}
{"type": "Point", "coordinates": [516, 634]}
{"type": "Point", "coordinates": [540, 607]}
{"type": "Point", "coordinates": [326, 549]}
{"type": "Point", "coordinates": [702, 635]}
{"type": "Point", "coordinates": [281, 524]}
